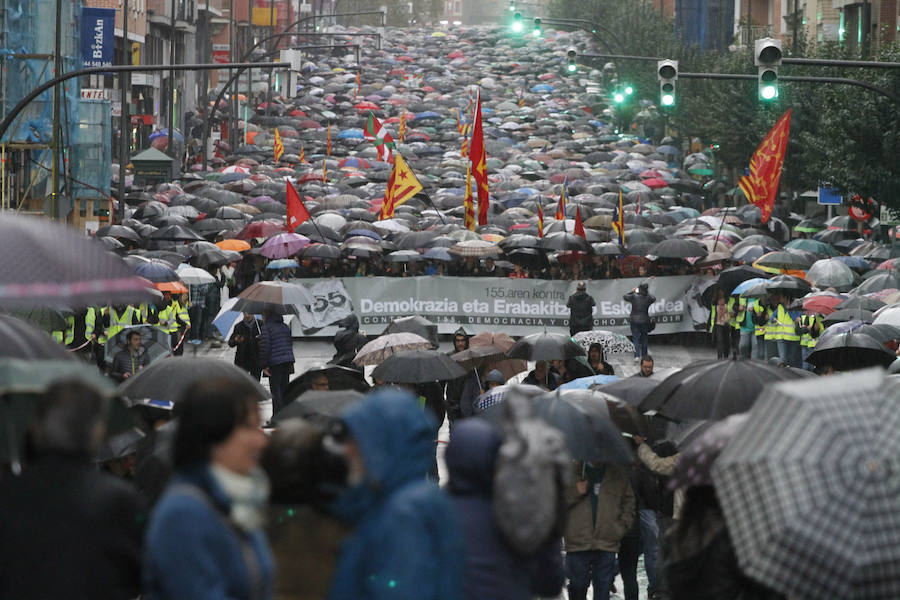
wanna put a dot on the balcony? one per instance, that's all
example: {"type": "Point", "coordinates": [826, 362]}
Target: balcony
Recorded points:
{"type": "Point", "coordinates": [747, 34]}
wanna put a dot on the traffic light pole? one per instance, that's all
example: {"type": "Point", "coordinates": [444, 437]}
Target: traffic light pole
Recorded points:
{"type": "Point", "coordinates": [798, 79]}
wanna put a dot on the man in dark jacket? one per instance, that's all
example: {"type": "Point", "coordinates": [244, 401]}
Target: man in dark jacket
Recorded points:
{"type": "Point", "coordinates": [492, 570]}
{"type": "Point", "coordinates": [347, 341]}
{"type": "Point", "coordinates": [276, 356]}
{"type": "Point", "coordinates": [128, 361]}
{"type": "Point", "coordinates": [246, 338]}
{"type": "Point", "coordinates": [641, 301]}
{"type": "Point", "coordinates": [69, 530]}
{"type": "Point", "coordinates": [454, 389]}
{"type": "Point", "coordinates": [581, 309]}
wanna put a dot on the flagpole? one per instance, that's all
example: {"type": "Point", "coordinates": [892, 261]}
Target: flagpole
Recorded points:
{"type": "Point", "coordinates": [311, 218]}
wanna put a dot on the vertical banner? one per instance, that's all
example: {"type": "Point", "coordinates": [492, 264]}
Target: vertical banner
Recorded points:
{"type": "Point", "coordinates": [97, 36]}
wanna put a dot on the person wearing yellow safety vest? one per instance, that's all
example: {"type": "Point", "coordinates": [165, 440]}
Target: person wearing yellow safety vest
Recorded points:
{"type": "Point", "coordinates": [180, 306]}
{"type": "Point", "coordinates": [746, 310]}
{"type": "Point", "coordinates": [762, 312]}
{"type": "Point", "coordinates": [168, 320]}
{"type": "Point", "coordinates": [785, 331]}
{"type": "Point", "coordinates": [721, 323]}
{"type": "Point", "coordinates": [96, 320]}
{"type": "Point", "coordinates": [121, 317]}
{"type": "Point", "coordinates": [66, 336]}
{"type": "Point", "coordinates": [810, 327]}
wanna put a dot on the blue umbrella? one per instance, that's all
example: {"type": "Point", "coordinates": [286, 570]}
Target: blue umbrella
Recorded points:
{"type": "Point", "coordinates": [542, 87]}
{"type": "Point", "coordinates": [283, 263]}
{"type": "Point", "coordinates": [364, 232]}
{"type": "Point", "coordinates": [746, 285]}
{"type": "Point", "coordinates": [351, 134]}
{"type": "Point", "coordinates": [156, 271]}
{"type": "Point", "coordinates": [584, 383]}
{"type": "Point", "coordinates": [179, 137]}
{"type": "Point", "coordinates": [229, 177]}
{"type": "Point", "coordinates": [428, 114]}
{"type": "Point", "coordinates": [855, 262]}
{"type": "Point", "coordinates": [671, 150]}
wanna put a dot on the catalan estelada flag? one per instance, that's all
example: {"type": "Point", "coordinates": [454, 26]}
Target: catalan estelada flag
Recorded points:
{"type": "Point", "coordinates": [561, 207]}
{"type": "Point", "coordinates": [540, 220]}
{"type": "Point", "coordinates": [761, 185]}
{"type": "Point", "coordinates": [618, 222]}
{"type": "Point", "coordinates": [402, 185]}
{"type": "Point", "coordinates": [279, 147]}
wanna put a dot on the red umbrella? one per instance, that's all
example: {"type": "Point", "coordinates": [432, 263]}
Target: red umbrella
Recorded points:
{"type": "Point", "coordinates": [309, 124]}
{"type": "Point", "coordinates": [297, 113]}
{"type": "Point", "coordinates": [260, 229]}
{"type": "Point", "coordinates": [366, 105]}
{"type": "Point", "coordinates": [654, 183]}
{"type": "Point", "coordinates": [822, 304]}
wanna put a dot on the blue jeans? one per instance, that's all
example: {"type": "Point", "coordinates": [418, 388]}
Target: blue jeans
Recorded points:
{"type": "Point", "coordinates": [806, 352]}
{"type": "Point", "coordinates": [631, 548]}
{"type": "Point", "coordinates": [759, 347]}
{"type": "Point", "coordinates": [639, 337]}
{"type": "Point", "coordinates": [748, 343]}
{"type": "Point", "coordinates": [649, 543]}
{"type": "Point", "coordinates": [588, 567]}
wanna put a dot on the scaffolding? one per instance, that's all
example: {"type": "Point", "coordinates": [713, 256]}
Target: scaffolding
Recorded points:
{"type": "Point", "coordinates": [27, 59]}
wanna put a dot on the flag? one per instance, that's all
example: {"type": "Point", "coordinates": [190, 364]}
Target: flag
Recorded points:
{"type": "Point", "coordinates": [324, 171]}
{"type": "Point", "coordinates": [328, 146]}
{"type": "Point", "coordinates": [296, 210]}
{"type": "Point", "coordinates": [561, 207]}
{"type": "Point", "coordinates": [464, 149]}
{"type": "Point", "coordinates": [358, 89]}
{"type": "Point", "coordinates": [378, 135]}
{"type": "Point", "coordinates": [540, 219]}
{"type": "Point", "coordinates": [618, 221]}
{"type": "Point", "coordinates": [302, 155]}
{"type": "Point", "coordinates": [401, 133]}
{"type": "Point", "coordinates": [460, 122]}
{"type": "Point", "coordinates": [478, 156]}
{"type": "Point", "coordinates": [579, 226]}
{"type": "Point", "coordinates": [279, 147]}
{"type": "Point", "coordinates": [761, 185]}
{"type": "Point", "coordinates": [469, 202]}
{"type": "Point", "coordinates": [402, 185]}
{"type": "Point", "coordinates": [416, 79]}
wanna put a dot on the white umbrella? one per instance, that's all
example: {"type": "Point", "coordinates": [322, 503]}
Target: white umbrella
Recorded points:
{"type": "Point", "coordinates": [193, 276]}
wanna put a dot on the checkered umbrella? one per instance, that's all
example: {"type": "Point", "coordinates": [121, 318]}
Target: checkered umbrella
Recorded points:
{"type": "Point", "coordinates": [810, 488]}
{"type": "Point", "coordinates": [376, 351]}
{"type": "Point", "coordinates": [475, 248]}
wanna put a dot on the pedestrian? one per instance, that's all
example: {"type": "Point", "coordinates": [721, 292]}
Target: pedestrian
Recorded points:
{"type": "Point", "coordinates": [720, 323]}
{"type": "Point", "coordinates": [454, 388]}
{"type": "Point", "coordinates": [69, 530]}
{"type": "Point", "coordinates": [205, 537]}
{"type": "Point", "coordinates": [810, 327]}
{"type": "Point", "coordinates": [597, 360]}
{"type": "Point", "coordinates": [131, 359]}
{"type": "Point", "coordinates": [276, 356]}
{"type": "Point", "coordinates": [639, 318]}
{"type": "Point", "coordinates": [601, 511]}
{"type": "Point", "coordinates": [492, 570]}
{"type": "Point", "coordinates": [581, 310]}
{"type": "Point", "coordinates": [348, 341]}
{"type": "Point", "coordinates": [642, 538]}
{"type": "Point", "coordinates": [245, 338]}
{"type": "Point", "coordinates": [646, 366]}
{"type": "Point", "coordinates": [542, 376]}
{"type": "Point", "coordinates": [406, 542]}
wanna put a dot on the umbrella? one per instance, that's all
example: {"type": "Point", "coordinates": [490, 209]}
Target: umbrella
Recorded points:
{"type": "Point", "coordinates": [175, 233]}
{"type": "Point", "coordinates": [881, 281]}
{"type": "Point", "coordinates": [474, 357]}
{"type": "Point", "coordinates": [339, 378]}
{"type": "Point", "coordinates": [55, 264]}
{"type": "Point", "coordinates": [860, 302]}
{"type": "Point", "coordinates": [284, 245]}
{"type": "Point", "coordinates": [631, 390]}
{"type": "Point", "coordinates": [584, 383]}
{"type": "Point", "coordinates": [156, 343]}
{"type": "Point", "coordinates": [376, 351]}
{"type": "Point", "coordinates": [22, 340]}
{"type": "Point", "coordinates": [830, 273]}
{"type": "Point", "coordinates": [167, 379]}
{"type": "Point", "coordinates": [418, 325]}
{"type": "Point", "coordinates": [233, 245]}
{"type": "Point", "coordinates": [678, 248]}
{"type": "Point", "coordinates": [713, 389]}
{"type": "Point", "coordinates": [849, 351]}
{"type": "Point", "coordinates": [730, 278]}
{"type": "Point", "coordinates": [417, 366]}
{"type": "Point", "coordinates": [194, 276]}
{"type": "Point", "coordinates": [613, 343]}
{"type": "Point", "coordinates": [824, 303]}
{"type": "Point", "coordinates": [545, 346]}
{"type": "Point", "coordinates": [282, 263]}
{"type": "Point", "coordinates": [508, 367]}
{"type": "Point", "coordinates": [283, 298]}
{"type": "Point", "coordinates": [849, 314]}
{"type": "Point", "coordinates": [809, 489]}
{"type": "Point", "coordinates": [475, 248]}
{"type": "Point", "coordinates": [318, 406]}
{"type": "Point", "coordinates": [695, 461]}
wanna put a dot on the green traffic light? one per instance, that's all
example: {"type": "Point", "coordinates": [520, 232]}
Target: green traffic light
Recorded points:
{"type": "Point", "coordinates": [572, 67]}
{"type": "Point", "coordinates": [537, 33]}
{"type": "Point", "coordinates": [619, 98]}
{"type": "Point", "coordinates": [517, 26]}
{"type": "Point", "coordinates": [668, 100]}
{"type": "Point", "coordinates": [768, 92]}
{"type": "Point", "coordinates": [629, 90]}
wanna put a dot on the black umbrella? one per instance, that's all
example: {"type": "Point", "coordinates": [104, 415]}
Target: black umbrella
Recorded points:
{"type": "Point", "coordinates": [713, 389]}
{"type": "Point", "coordinates": [631, 390]}
{"type": "Point", "coordinates": [167, 379]}
{"type": "Point", "coordinates": [545, 346]}
{"type": "Point", "coordinates": [318, 406]}
{"type": "Point", "coordinates": [731, 277]}
{"type": "Point", "coordinates": [418, 366]}
{"type": "Point", "coordinates": [418, 325]}
{"type": "Point", "coordinates": [850, 351]}
{"type": "Point", "coordinates": [861, 303]}
{"type": "Point", "coordinates": [19, 339]}
{"type": "Point", "coordinates": [788, 284]}
{"type": "Point", "coordinates": [849, 314]}
{"type": "Point", "coordinates": [120, 232]}
{"type": "Point", "coordinates": [528, 258]}
{"type": "Point", "coordinates": [626, 418]}
{"type": "Point", "coordinates": [474, 357]}
{"type": "Point", "coordinates": [175, 233]}
{"type": "Point", "coordinates": [565, 241]}
{"type": "Point", "coordinates": [339, 378]}
{"type": "Point", "coordinates": [321, 252]}
{"type": "Point", "coordinates": [678, 248]}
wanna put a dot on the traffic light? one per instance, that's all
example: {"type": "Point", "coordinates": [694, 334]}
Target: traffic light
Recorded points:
{"type": "Point", "coordinates": [619, 96]}
{"type": "Point", "coordinates": [517, 25]}
{"type": "Point", "coordinates": [571, 54]}
{"type": "Point", "coordinates": [512, 6]}
{"type": "Point", "coordinates": [767, 57]}
{"type": "Point", "coordinates": [628, 89]}
{"type": "Point", "coordinates": [537, 27]}
{"type": "Point", "coordinates": [667, 73]}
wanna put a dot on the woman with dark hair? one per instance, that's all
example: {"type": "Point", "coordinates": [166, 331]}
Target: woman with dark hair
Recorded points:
{"type": "Point", "coordinates": [597, 360]}
{"type": "Point", "coordinates": [205, 537]}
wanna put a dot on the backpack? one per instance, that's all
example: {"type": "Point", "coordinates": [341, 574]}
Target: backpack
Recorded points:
{"type": "Point", "coordinates": [531, 473]}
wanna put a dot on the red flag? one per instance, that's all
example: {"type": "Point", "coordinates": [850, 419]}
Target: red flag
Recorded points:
{"type": "Point", "coordinates": [579, 226]}
{"type": "Point", "coordinates": [761, 185]}
{"type": "Point", "coordinates": [328, 147]}
{"type": "Point", "coordinates": [478, 156]}
{"type": "Point", "coordinates": [468, 202]}
{"type": "Point", "coordinates": [561, 207]}
{"type": "Point", "coordinates": [296, 211]}
{"type": "Point", "coordinates": [540, 220]}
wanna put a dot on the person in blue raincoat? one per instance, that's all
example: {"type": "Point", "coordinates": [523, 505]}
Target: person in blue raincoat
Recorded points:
{"type": "Point", "coordinates": [405, 543]}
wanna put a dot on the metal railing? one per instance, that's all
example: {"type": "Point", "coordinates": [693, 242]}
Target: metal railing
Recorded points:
{"type": "Point", "coordinates": [747, 34]}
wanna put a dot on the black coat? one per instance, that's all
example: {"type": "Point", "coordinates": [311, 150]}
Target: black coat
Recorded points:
{"type": "Point", "coordinates": [347, 341]}
{"type": "Point", "coordinates": [246, 356]}
{"type": "Point", "coordinates": [640, 307]}
{"type": "Point", "coordinates": [68, 531]}
{"type": "Point", "coordinates": [581, 306]}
